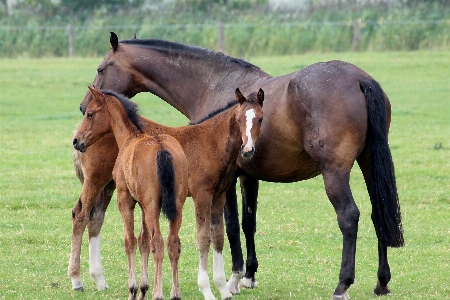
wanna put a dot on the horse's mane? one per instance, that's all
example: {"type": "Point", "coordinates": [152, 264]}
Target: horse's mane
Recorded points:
{"type": "Point", "coordinates": [214, 113]}
{"type": "Point", "coordinates": [131, 108]}
{"type": "Point", "coordinates": [168, 45]}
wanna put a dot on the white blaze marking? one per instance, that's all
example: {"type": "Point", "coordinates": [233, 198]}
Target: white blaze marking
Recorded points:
{"type": "Point", "coordinates": [249, 116]}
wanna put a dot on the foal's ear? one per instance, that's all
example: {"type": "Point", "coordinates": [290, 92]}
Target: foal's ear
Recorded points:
{"type": "Point", "coordinates": [239, 97]}
{"type": "Point", "coordinates": [260, 97]}
{"type": "Point", "coordinates": [95, 92]}
{"type": "Point", "coordinates": [114, 40]}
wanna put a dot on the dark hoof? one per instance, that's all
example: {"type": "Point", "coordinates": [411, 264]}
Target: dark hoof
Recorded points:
{"type": "Point", "coordinates": [79, 289]}
{"type": "Point", "coordinates": [381, 290]}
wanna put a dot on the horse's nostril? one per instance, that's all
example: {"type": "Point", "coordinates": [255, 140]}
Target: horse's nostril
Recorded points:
{"type": "Point", "coordinates": [81, 109]}
{"type": "Point", "coordinates": [75, 141]}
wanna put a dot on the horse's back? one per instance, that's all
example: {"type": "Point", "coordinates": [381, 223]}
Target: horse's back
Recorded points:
{"type": "Point", "coordinates": [315, 116]}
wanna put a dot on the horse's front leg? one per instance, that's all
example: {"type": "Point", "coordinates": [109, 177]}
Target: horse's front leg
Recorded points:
{"type": "Point", "coordinates": [96, 219]}
{"type": "Point", "coordinates": [80, 217]}
{"type": "Point", "coordinates": [338, 190]}
{"type": "Point", "coordinates": [217, 239]}
{"type": "Point", "coordinates": [249, 191]}
{"type": "Point", "coordinates": [202, 205]}
{"type": "Point", "coordinates": [231, 215]}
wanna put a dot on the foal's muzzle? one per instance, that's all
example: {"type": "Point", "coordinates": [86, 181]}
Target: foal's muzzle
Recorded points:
{"type": "Point", "coordinates": [247, 153]}
{"type": "Point", "coordinates": [79, 146]}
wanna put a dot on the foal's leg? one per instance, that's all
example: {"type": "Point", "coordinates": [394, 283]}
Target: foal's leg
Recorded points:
{"type": "Point", "coordinates": [338, 190]}
{"type": "Point", "coordinates": [95, 223]}
{"type": "Point", "coordinates": [231, 215]}
{"type": "Point", "coordinates": [126, 206]}
{"type": "Point", "coordinates": [174, 250]}
{"type": "Point", "coordinates": [217, 237]}
{"type": "Point", "coordinates": [202, 204]}
{"type": "Point", "coordinates": [384, 271]}
{"type": "Point", "coordinates": [80, 217]}
{"type": "Point", "coordinates": [144, 249]}
{"type": "Point", "coordinates": [249, 190]}
{"type": "Point", "coordinates": [156, 246]}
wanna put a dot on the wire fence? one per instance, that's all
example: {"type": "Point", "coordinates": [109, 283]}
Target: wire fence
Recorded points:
{"type": "Point", "coordinates": [233, 38]}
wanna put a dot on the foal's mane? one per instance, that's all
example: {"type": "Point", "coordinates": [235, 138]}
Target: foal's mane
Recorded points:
{"type": "Point", "coordinates": [214, 113]}
{"type": "Point", "coordinates": [130, 107]}
{"type": "Point", "coordinates": [203, 52]}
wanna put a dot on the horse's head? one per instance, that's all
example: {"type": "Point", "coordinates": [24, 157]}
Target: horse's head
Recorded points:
{"type": "Point", "coordinates": [95, 121]}
{"type": "Point", "coordinates": [249, 117]}
{"type": "Point", "coordinates": [115, 73]}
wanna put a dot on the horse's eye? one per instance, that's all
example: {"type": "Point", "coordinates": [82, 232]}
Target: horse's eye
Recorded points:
{"type": "Point", "coordinates": [260, 120]}
{"type": "Point", "coordinates": [100, 71]}
{"type": "Point", "coordinates": [90, 115]}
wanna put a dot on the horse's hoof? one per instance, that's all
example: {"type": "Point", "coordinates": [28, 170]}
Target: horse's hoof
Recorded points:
{"type": "Point", "coordinates": [344, 296]}
{"type": "Point", "coordinates": [79, 289]}
{"type": "Point", "coordinates": [248, 283]}
{"type": "Point", "coordinates": [381, 290]}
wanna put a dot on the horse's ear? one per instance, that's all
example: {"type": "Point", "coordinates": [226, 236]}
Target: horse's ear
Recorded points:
{"type": "Point", "coordinates": [114, 40]}
{"type": "Point", "coordinates": [239, 97]}
{"type": "Point", "coordinates": [133, 37]}
{"type": "Point", "coordinates": [260, 97]}
{"type": "Point", "coordinates": [94, 91]}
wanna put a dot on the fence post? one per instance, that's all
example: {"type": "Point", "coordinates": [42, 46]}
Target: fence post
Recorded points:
{"type": "Point", "coordinates": [70, 36]}
{"type": "Point", "coordinates": [221, 37]}
{"type": "Point", "coordinates": [356, 34]}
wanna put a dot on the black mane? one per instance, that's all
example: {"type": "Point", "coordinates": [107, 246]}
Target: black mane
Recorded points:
{"type": "Point", "coordinates": [131, 108]}
{"type": "Point", "coordinates": [214, 113]}
{"type": "Point", "coordinates": [168, 45]}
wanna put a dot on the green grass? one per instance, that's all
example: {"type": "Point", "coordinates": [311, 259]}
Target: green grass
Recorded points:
{"type": "Point", "coordinates": [298, 240]}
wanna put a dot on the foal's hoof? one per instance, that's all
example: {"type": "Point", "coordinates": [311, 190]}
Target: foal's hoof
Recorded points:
{"type": "Point", "coordinates": [344, 296]}
{"type": "Point", "coordinates": [248, 283]}
{"type": "Point", "coordinates": [79, 289]}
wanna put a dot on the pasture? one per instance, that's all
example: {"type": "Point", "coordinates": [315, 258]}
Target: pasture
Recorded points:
{"type": "Point", "coordinates": [298, 240]}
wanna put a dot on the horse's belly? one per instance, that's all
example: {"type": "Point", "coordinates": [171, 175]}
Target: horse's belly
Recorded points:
{"type": "Point", "coordinates": [285, 166]}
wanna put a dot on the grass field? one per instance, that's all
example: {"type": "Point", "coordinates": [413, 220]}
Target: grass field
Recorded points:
{"type": "Point", "coordinates": [298, 240]}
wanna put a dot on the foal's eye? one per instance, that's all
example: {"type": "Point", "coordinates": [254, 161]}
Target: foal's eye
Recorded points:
{"type": "Point", "coordinates": [100, 71]}
{"type": "Point", "coordinates": [90, 115]}
{"type": "Point", "coordinates": [260, 120]}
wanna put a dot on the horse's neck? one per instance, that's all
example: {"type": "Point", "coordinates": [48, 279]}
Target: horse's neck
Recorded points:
{"type": "Point", "coordinates": [195, 84]}
{"type": "Point", "coordinates": [121, 125]}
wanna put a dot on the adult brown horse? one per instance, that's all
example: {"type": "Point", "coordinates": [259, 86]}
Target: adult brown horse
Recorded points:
{"type": "Point", "coordinates": [211, 148]}
{"type": "Point", "coordinates": [149, 170]}
{"type": "Point", "coordinates": [318, 120]}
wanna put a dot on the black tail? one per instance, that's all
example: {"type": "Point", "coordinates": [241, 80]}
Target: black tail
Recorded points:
{"type": "Point", "coordinates": [166, 177]}
{"type": "Point", "coordinates": [386, 214]}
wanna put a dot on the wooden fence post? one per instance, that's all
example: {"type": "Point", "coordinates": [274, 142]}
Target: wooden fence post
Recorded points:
{"type": "Point", "coordinates": [70, 36]}
{"type": "Point", "coordinates": [356, 34]}
{"type": "Point", "coordinates": [221, 37]}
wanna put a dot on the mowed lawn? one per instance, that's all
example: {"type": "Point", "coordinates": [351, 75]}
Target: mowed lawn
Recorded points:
{"type": "Point", "coordinates": [298, 239]}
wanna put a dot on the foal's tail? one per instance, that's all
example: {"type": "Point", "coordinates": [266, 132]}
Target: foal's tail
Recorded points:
{"type": "Point", "coordinates": [166, 178]}
{"type": "Point", "coordinates": [386, 214]}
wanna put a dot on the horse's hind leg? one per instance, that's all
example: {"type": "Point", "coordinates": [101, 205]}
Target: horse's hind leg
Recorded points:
{"type": "Point", "coordinates": [96, 219]}
{"type": "Point", "coordinates": [338, 190]}
{"type": "Point", "coordinates": [174, 250]}
{"type": "Point", "coordinates": [126, 207]}
{"type": "Point", "coordinates": [144, 249]}
{"type": "Point", "coordinates": [384, 271]}
{"type": "Point", "coordinates": [249, 190]}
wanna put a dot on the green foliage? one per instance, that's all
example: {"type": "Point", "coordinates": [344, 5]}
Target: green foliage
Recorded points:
{"type": "Point", "coordinates": [248, 30]}
{"type": "Point", "coordinates": [298, 240]}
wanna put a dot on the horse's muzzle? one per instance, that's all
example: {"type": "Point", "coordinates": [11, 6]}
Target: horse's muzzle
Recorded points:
{"type": "Point", "coordinates": [80, 147]}
{"type": "Point", "coordinates": [247, 154]}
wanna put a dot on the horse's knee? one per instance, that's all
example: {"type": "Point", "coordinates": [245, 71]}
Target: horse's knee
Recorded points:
{"type": "Point", "coordinates": [77, 208]}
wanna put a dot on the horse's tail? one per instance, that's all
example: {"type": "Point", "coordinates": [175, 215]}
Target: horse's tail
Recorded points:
{"type": "Point", "coordinates": [166, 178]}
{"type": "Point", "coordinates": [386, 214]}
